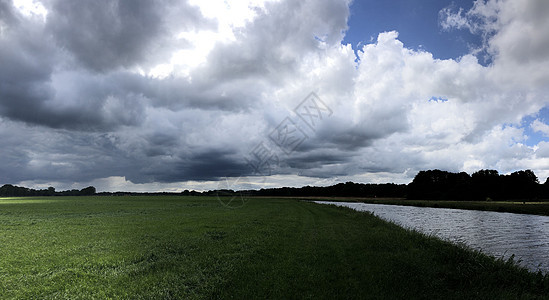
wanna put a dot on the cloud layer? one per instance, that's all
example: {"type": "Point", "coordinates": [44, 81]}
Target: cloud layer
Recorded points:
{"type": "Point", "coordinates": [143, 95]}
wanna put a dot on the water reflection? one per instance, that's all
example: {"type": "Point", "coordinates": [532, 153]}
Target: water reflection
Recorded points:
{"type": "Point", "coordinates": [495, 233]}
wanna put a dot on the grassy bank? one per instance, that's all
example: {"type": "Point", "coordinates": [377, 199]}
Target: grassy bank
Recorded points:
{"type": "Point", "coordinates": [519, 207]}
{"type": "Point", "coordinates": [193, 247]}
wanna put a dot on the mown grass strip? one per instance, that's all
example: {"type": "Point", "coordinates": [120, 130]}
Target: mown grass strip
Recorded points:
{"type": "Point", "coordinates": [518, 207]}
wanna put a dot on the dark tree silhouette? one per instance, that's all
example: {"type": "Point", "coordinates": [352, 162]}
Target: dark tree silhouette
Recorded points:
{"type": "Point", "coordinates": [437, 184]}
{"type": "Point", "coordinates": [481, 185]}
{"type": "Point", "coordinates": [521, 185]}
{"type": "Point", "coordinates": [431, 184]}
{"type": "Point", "coordinates": [9, 190]}
{"type": "Point", "coordinates": [486, 184]}
{"type": "Point", "coordinates": [87, 191]}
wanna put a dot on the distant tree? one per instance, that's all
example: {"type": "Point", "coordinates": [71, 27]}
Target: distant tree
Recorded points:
{"type": "Point", "coordinates": [521, 185]}
{"type": "Point", "coordinates": [87, 191]}
{"type": "Point", "coordinates": [437, 184]}
{"type": "Point", "coordinates": [543, 190]}
{"type": "Point", "coordinates": [459, 186]}
{"type": "Point", "coordinates": [526, 177]}
{"type": "Point", "coordinates": [486, 184]}
{"type": "Point", "coordinates": [6, 190]}
{"type": "Point", "coordinates": [9, 190]}
{"type": "Point", "coordinates": [51, 191]}
{"type": "Point", "coordinates": [481, 185]}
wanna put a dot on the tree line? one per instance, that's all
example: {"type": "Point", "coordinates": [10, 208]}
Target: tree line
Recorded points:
{"type": "Point", "coordinates": [430, 184]}
{"type": "Point", "coordinates": [8, 190]}
{"type": "Point", "coordinates": [347, 189]}
{"type": "Point", "coordinates": [481, 185]}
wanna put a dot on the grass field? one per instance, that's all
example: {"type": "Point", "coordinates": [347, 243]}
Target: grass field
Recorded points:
{"type": "Point", "coordinates": [193, 247]}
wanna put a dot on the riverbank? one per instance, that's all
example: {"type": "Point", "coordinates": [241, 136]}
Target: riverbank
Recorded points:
{"type": "Point", "coordinates": [193, 247]}
{"type": "Point", "coordinates": [497, 234]}
{"type": "Point", "coordinates": [540, 208]}
{"type": "Point", "coordinates": [518, 207]}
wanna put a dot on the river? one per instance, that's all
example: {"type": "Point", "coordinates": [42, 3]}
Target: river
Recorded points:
{"type": "Point", "coordinates": [494, 233]}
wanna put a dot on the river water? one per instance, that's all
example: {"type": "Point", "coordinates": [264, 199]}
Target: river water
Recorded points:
{"type": "Point", "coordinates": [494, 233]}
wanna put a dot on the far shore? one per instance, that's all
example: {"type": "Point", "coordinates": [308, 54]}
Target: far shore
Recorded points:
{"type": "Point", "coordinates": [519, 207]}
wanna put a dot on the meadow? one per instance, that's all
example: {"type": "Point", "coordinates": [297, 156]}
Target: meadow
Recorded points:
{"type": "Point", "coordinates": [171, 247]}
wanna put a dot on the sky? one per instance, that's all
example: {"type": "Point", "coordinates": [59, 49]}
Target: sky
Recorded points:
{"type": "Point", "coordinates": [171, 95]}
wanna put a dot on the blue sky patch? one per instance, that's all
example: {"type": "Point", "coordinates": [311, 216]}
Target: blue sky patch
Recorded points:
{"type": "Point", "coordinates": [438, 99]}
{"type": "Point", "coordinates": [417, 22]}
{"type": "Point", "coordinates": [535, 136]}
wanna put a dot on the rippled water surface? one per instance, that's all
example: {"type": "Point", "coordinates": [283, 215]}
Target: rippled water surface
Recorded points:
{"type": "Point", "coordinates": [495, 233]}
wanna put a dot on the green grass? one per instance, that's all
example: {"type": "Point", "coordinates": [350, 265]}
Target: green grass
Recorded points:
{"type": "Point", "coordinates": [519, 207]}
{"type": "Point", "coordinates": [193, 247]}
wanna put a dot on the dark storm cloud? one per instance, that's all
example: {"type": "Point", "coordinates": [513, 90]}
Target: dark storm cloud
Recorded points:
{"type": "Point", "coordinates": [33, 90]}
{"type": "Point", "coordinates": [206, 164]}
{"type": "Point", "coordinates": [141, 155]}
{"type": "Point", "coordinates": [336, 136]}
{"type": "Point", "coordinates": [39, 84]}
{"type": "Point", "coordinates": [159, 144]}
{"type": "Point", "coordinates": [202, 93]}
{"type": "Point", "coordinates": [70, 100]}
{"type": "Point", "coordinates": [316, 159]}
{"type": "Point", "coordinates": [269, 50]}
{"type": "Point", "coordinates": [105, 35]}
{"type": "Point", "coordinates": [55, 155]}
{"type": "Point", "coordinates": [27, 60]}
{"type": "Point", "coordinates": [347, 139]}
{"type": "Point", "coordinates": [7, 17]}
{"type": "Point", "coordinates": [78, 100]}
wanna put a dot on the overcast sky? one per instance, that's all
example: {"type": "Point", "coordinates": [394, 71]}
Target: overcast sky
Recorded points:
{"type": "Point", "coordinates": [143, 95]}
